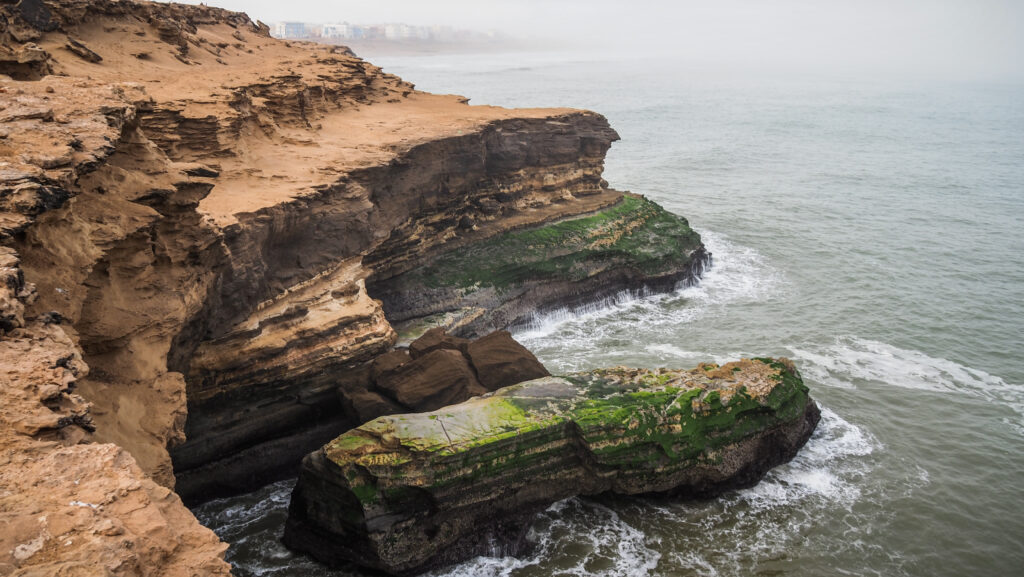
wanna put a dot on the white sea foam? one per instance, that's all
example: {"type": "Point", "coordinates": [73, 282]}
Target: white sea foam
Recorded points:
{"type": "Point", "coordinates": [630, 540]}
{"type": "Point", "coordinates": [665, 350]}
{"type": "Point", "coordinates": [545, 324]}
{"type": "Point", "coordinates": [737, 273]}
{"type": "Point", "coordinates": [573, 337]}
{"type": "Point", "coordinates": [852, 359]}
{"type": "Point", "coordinates": [603, 545]}
{"type": "Point", "coordinates": [779, 512]}
{"type": "Point", "coordinates": [822, 468]}
{"type": "Point", "coordinates": [678, 356]}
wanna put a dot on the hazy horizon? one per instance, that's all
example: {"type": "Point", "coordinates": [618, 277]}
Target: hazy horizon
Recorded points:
{"type": "Point", "coordinates": [948, 39]}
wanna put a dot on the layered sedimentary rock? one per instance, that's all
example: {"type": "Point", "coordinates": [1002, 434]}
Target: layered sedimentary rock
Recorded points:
{"type": "Point", "coordinates": [405, 493]}
{"type": "Point", "coordinates": [68, 507]}
{"type": "Point", "coordinates": [437, 370]}
{"type": "Point", "coordinates": [212, 216]}
{"type": "Point", "coordinates": [632, 245]}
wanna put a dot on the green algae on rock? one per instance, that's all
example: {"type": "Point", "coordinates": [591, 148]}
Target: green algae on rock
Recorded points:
{"type": "Point", "coordinates": [493, 283]}
{"type": "Point", "coordinates": [623, 232]}
{"type": "Point", "coordinates": [406, 493]}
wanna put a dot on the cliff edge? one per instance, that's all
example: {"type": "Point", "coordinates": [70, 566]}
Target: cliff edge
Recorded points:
{"type": "Point", "coordinates": [190, 215]}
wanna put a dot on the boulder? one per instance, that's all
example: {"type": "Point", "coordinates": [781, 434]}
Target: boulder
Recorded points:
{"type": "Point", "coordinates": [365, 405]}
{"type": "Point", "coordinates": [434, 339]}
{"type": "Point", "coordinates": [82, 51]}
{"type": "Point", "coordinates": [354, 378]}
{"type": "Point", "coordinates": [432, 381]}
{"type": "Point", "coordinates": [500, 361]}
{"type": "Point", "coordinates": [407, 493]}
{"type": "Point", "coordinates": [388, 363]}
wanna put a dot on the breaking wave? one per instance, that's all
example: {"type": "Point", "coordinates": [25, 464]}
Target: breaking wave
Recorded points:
{"type": "Point", "coordinates": [851, 360]}
{"type": "Point", "coordinates": [567, 338]}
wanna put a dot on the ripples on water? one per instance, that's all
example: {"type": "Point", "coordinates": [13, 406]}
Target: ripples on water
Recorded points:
{"type": "Point", "coordinates": [871, 232]}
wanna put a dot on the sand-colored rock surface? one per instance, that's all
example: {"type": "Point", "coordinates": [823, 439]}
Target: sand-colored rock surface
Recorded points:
{"type": "Point", "coordinates": [89, 510]}
{"type": "Point", "coordinates": [187, 194]}
{"type": "Point", "coordinates": [196, 222]}
{"type": "Point", "coordinates": [68, 508]}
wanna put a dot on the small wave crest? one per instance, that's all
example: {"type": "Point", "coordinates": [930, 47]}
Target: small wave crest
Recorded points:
{"type": "Point", "coordinates": [574, 537]}
{"type": "Point", "coordinates": [780, 513]}
{"type": "Point", "coordinates": [822, 469]}
{"type": "Point", "coordinates": [571, 337]}
{"type": "Point", "coordinates": [852, 359]}
{"type": "Point", "coordinates": [737, 273]}
{"type": "Point", "coordinates": [633, 536]}
{"type": "Point", "coordinates": [252, 524]}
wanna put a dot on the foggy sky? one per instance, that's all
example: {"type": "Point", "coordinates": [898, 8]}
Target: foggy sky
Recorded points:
{"type": "Point", "coordinates": [956, 39]}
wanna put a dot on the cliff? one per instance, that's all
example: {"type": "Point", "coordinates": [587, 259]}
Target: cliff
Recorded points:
{"type": "Point", "coordinates": [407, 493]}
{"type": "Point", "coordinates": [191, 214]}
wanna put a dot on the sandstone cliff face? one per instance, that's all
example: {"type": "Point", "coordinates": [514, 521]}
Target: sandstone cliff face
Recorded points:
{"type": "Point", "coordinates": [194, 211]}
{"type": "Point", "coordinates": [68, 507]}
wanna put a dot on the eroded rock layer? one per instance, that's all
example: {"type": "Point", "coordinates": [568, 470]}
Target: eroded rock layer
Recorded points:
{"type": "Point", "coordinates": [68, 507]}
{"type": "Point", "coordinates": [406, 493]}
{"type": "Point", "coordinates": [633, 245]}
{"type": "Point", "coordinates": [212, 213]}
{"type": "Point", "coordinates": [196, 220]}
{"type": "Point", "coordinates": [437, 370]}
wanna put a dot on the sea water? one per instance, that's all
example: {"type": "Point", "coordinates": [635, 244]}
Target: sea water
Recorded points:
{"type": "Point", "coordinates": [870, 229]}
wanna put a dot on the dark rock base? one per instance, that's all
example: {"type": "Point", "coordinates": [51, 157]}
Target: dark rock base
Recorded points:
{"type": "Point", "coordinates": [745, 464]}
{"type": "Point", "coordinates": [409, 493]}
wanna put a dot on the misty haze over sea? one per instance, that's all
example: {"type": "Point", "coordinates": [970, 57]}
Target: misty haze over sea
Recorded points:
{"type": "Point", "coordinates": [866, 219]}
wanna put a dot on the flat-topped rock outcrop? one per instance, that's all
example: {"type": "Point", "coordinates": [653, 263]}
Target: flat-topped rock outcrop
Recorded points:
{"type": "Point", "coordinates": [507, 278]}
{"type": "Point", "coordinates": [207, 235]}
{"type": "Point", "coordinates": [229, 223]}
{"type": "Point", "coordinates": [406, 493]}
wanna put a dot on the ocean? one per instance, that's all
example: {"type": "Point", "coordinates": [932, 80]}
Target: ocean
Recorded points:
{"type": "Point", "coordinates": [872, 231]}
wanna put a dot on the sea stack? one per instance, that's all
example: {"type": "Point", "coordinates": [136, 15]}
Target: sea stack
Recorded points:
{"type": "Point", "coordinates": [407, 493]}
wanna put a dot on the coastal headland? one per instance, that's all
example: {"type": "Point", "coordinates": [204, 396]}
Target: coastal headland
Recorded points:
{"type": "Point", "coordinates": [210, 237]}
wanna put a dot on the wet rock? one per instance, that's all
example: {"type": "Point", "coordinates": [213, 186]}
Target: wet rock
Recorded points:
{"type": "Point", "coordinates": [631, 244]}
{"type": "Point", "coordinates": [407, 493]}
{"type": "Point", "coordinates": [500, 361]}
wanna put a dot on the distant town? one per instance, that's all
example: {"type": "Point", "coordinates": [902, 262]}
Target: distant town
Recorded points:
{"type": "Point", "coordinates": [359, 32]}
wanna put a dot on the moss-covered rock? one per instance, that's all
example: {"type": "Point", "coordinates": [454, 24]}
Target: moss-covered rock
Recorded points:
{"type": "Point", "coordinates": [404, 493]}
{"type": "Point", "coordinates": [495, 282]}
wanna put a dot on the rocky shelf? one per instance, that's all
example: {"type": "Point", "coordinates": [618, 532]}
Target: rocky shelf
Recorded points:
{"type": "Point", "coordinates": [407, 493]}
{"type": "Point", "coordinates": [633, 244]}
{"type": "Point", "coordinates": [207, 239]}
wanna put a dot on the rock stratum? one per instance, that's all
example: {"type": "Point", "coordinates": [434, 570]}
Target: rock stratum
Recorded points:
{"type": "Point", "coordinates": [407, 493]}
{"type": "Point", "coordinates": [206, 232]}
